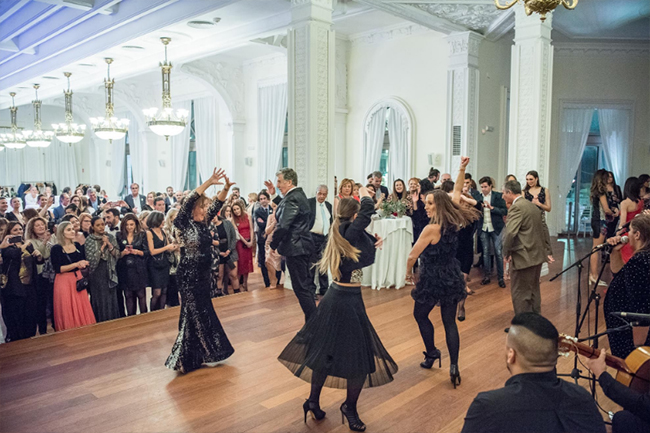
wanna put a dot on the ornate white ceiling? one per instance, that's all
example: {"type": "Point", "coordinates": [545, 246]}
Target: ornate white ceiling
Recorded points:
{"type": "Point", "coordinates": [477, 17]}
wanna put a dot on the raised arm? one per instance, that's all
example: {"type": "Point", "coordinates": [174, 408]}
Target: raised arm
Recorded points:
{"type": "Point", "coordinates": [460, 180]}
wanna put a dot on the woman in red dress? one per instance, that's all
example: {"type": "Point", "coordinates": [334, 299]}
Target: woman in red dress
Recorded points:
{"type": "Point", "coordinates": [245, 242]}
{"type": "Point", "coordinates": [630, 207]}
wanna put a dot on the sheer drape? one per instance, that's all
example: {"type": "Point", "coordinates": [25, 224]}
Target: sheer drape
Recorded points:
{"type": "Point", "coordinates": [180, 150]}
{"type": "Point", "coordinates": [138, 149]}
{"type": "Point", "coordinates": [206, 135]}
{"type": "Point", "coordinates": [118, 162]}
{"type": "Point", "coordinates": [615, 132]}
{"type": "Point", "coordinates": [272, 115]}
{"type": "Point", "coordinates": [374, 140]}
{"type": "Point", "coordinates": [398, 130]}
{"type": "Point", "coordinates": [61, 164]}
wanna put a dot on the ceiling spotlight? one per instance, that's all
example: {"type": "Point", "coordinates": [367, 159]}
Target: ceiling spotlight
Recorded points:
{"type": "Point", "coordinates": [201, 24]}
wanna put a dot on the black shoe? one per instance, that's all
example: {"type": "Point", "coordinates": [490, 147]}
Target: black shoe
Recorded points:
{"type": "Point", "coordinates": [314, 408]}
{"type": "Point", "coordinates": [506, 330]}
{"type": "Point", "coordinates": [430, 358]}
{"type": "Point", "coordinates": [352, 416]}
{"type": "Point", "coordinates": [502, 284]}
{"type": "Point", "coordinates": [454, 375]}
{"type": "Point", "coordinates": [461, 313]}
{"type": "Point", "coordinates": [485, 281]}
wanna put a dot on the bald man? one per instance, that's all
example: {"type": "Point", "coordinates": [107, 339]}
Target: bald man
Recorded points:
{"type": "Point", "coordinates": [534, 399]}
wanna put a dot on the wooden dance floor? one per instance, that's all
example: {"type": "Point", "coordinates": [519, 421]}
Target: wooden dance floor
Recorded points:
{"type": "Point", "coordinates": [111, 377]}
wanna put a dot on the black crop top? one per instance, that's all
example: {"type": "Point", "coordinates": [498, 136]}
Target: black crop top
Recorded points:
{"type": "Point", "coordinates": [355, 233]}
{"type": "Point", "coordinates": [58, 256]}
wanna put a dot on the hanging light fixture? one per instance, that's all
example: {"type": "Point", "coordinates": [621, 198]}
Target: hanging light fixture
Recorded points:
{"type": "Point", "coordinates": [166, 123]}
{"type": "Point", "coordinates": [110, 127]}
{"type": "Point", "coordinates": [15, 138]}
{"type": "Point", "coordinates": [69, 132]}
{"type": "Point", "coordinates": [38, 137]}
{"type": "Point", "coordinates": [542, 7]}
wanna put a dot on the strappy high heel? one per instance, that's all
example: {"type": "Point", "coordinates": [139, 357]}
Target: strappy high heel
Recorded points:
{"type": "Point", "coordinates": [352, 416]}
{"type": "Point", "coordinates": [314, 408]}
{"type": "Point", "coordinates": [430, 358]}
{"type": "Point", "coordinates": [454, 375]}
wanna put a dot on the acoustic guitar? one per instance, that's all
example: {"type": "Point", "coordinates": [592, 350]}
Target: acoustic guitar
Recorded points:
{"type": "Point", "coordinates": [633, 372]}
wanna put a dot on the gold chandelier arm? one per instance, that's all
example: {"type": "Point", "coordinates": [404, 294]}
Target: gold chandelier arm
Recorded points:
{"type": "Point", "coordinates": [569, 4]}
{"type": "Point", "coordinates": [508, 5]}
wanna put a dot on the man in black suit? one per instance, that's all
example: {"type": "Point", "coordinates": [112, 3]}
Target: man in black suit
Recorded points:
{"type": "Point", "coordinates": [379, 188]}
{"type": "Point", "coordinates": [534, 399]}
{"type": "Point", "coordinates": [494, 209]}
{"type": "Point", "coordinates": [170, 199]}
{"type": "Point", "coordinates": [291, 237]}
{"type": "Point", "coordinates": [261, 216]}
{"type": "Point", "coordinates": [134, 201]}
{"type": "Point", "coordinates": [321, 221]}
{"type": "Point", "coordinates": [4, 205]}
{"type": "Point", "coordinates": [94, 200]}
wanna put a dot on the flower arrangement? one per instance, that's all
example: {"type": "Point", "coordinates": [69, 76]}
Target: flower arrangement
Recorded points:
{"type": "Point", "coordinates": [393, 209]}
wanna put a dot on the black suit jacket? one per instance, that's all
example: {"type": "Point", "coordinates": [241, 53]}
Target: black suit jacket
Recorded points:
{"type": "Point", "coordinates": [129, 201]}
{"type": "Point", "coordinates": [261, 214]}
{"type": "Point", "coordinates": [534, 403]}
{"type": "Point", "coordinates": [312, 209]}
{"type": "Point", "coordinates": [500, 210]}
{"type": "Point", "coordinates": [291, 237]}
{"type": "Point", "coordinates": [384, 191]}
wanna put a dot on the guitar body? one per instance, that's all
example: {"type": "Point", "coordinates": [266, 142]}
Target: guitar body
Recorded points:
{"type": "Point", "coordinates": [638, 362]}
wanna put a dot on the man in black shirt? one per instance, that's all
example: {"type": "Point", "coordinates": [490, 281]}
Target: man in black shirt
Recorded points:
{"type": "Point", "coordinates": [534, 399]}
{"type": "Point", "coordinates": [635, 418]}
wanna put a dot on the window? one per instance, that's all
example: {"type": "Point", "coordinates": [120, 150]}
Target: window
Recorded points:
{"type": "Point", "coordinates": [191, 179]}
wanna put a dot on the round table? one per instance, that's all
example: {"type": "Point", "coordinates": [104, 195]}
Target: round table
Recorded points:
{"type": "Point", "coordinates": [389, 269]}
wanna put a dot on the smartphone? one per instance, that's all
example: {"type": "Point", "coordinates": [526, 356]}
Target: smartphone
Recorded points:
{"type": "Point", "coordinates": [15, 239]}
{"type": "Point", "coordinates": [129, 247]}
{"type": "Point", "coordinates": [30, 248]}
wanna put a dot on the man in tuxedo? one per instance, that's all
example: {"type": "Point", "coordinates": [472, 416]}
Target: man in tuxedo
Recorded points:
{"type": "Point", "coordinates": [321, 217]}
{"type": "Point", "coordinates": [159, 204]}
{"type": "Point", "coordinates": [494, 209]}
{"type": "Point", "coordinates": [291, 237]}
{"type": "Point", "coordinates": [170, 199]}
{"type": "Point", "coordinates": [525, 246]}
{"type": "Point", "coordinates": [379, 188]}
{"type": "Point", "coordinates": [94, 200]}
{"type": "Point", "coordinates": [261, 216]}
{"type": "Point", "coordinates": [59, 211]}
{"type": "Point", "coordinates": [112, 220]}
{"type": "Point", "coordinates": [134, 201]}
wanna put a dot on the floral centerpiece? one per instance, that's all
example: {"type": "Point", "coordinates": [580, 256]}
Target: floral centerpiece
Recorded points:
{"type": "Point", "coordinates": [393, 209]}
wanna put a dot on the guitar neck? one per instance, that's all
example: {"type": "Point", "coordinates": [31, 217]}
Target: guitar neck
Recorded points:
{"type": "Point", "coordinates": [590, 352]}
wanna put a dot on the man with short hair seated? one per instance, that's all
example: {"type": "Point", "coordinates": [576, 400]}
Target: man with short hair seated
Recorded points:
{"type": "Point", "coordinates": [534, 398]}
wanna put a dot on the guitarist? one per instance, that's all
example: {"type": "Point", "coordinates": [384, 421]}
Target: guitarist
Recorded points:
{"type": "Point", "coordinates": [635, 416]}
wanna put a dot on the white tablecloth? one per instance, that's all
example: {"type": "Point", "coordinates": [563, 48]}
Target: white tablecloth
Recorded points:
{"type": "Point", "coordinates": [389, 269]}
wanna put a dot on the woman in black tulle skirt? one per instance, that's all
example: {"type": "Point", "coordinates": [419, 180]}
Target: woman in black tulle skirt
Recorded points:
{"type": "Point", "coordinates": [338, 347]}
{"type": "Point", "coordinates": [441, 281]}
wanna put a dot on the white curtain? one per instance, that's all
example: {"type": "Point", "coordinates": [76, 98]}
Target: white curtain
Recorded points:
{"type": "Point", "coordinates": [398, 130]}
{"type": "Point", "coordinates": [374, 140]}
{"type": "Point", "coordinates": [118, 161]}
{"type": "Point", "coordinates": [11, 167]}
{"type": "Point", "coordinates": [180, 150]}
{"type": "Point", "coordinates": [272, 115]}
{"type": "Point", "coordinates": [61, 164]}
{"type": "Point", "coordinates": [206, 131]}
{"type": "Point", "coordinates": [615, 132]}
{"type": "Point", "coordinates": [138, 149]}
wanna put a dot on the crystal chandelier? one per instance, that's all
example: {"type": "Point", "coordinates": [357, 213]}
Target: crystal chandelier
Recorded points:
{"type": "Point", "coordinates": [38, 137]}
{"type": "Point", "coordinates": [14, 139]}
{"type": "Point", "coordinates": [542, 7]}
{"type": "Point", "coordinates": [69, 132]}
{"type": "Point", "coordinates": [166, 123]}
{"type": "Point", "coordinates": [110, 127]}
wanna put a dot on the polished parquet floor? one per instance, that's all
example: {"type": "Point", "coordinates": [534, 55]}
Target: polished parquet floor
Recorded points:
{"type": "Point", "coordinates": [110, 377]}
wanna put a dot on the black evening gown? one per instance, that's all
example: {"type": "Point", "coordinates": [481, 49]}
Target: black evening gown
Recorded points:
{"type": "Point", "coordinates": [201, 338]}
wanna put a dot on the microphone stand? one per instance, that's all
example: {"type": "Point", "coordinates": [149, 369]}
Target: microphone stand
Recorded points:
{"type": "Point", "coordinates": [575, 372]}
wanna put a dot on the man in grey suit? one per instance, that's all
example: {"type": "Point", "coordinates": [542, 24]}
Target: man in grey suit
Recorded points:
{"type": "Point", "coordinates": [525, 247]}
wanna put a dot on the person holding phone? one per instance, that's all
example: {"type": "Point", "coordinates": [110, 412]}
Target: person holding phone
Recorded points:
{"type": "Point", "coordinates": [131, 267]}
{"type": "Point", "coordinates": [19, 299]}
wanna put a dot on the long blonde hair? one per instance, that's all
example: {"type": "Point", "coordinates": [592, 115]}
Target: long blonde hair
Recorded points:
{"type": "Point", "coordinates": [337, 246]}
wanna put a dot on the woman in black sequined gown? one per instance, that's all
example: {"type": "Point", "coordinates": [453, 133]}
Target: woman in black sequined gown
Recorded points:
{"type": "Point", "coordinates": [201, 339]}
{"type": "Point", "coordinates": [441, 281]}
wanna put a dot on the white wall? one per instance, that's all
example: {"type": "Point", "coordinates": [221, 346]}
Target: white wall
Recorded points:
{"type": "Point", "coordinates": [413, 68]}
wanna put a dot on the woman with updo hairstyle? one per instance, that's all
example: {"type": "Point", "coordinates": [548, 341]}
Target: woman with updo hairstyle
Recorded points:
{"type": "Point", "coordinates": [14, 213]}
{"type": "Point", "coordinates": [537, 194]}
{"type": "Point", "coordinates": [629, 291]}
{"type": "Point", "coordinates": [131, 267]}
{"type": "Point", "coordinates": [338, 346]}
{"type": "Point", "coordinates": [201, 339]}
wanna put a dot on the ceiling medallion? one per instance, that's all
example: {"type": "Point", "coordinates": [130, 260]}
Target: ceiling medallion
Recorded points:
{"type": "Point", "coordinates": [542, 7]}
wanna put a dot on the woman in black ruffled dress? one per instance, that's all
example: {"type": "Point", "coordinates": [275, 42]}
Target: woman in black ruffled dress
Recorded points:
{"type": "Point", "coordinates": [201, 339]}
{"type": "Point", "coordinates": [338, 347]}
{"type": "Point", "coordinates": [441, 281]}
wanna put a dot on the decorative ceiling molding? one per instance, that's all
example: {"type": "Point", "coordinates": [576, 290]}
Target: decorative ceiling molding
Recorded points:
{"type": "Point", "coordinates": [600, 49]}
{"type": "Point", "coordinates": [500, 26]}
{"type": "Point", "coordinates": [415, 15]}
{"type": "Point", "coordinates": [477, 17]}
{"type": "Point", "coordinates": [387, 33]}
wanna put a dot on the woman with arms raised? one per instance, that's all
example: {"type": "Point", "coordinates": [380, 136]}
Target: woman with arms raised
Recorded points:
{"type": "Point", "coordinates": [201, 339]}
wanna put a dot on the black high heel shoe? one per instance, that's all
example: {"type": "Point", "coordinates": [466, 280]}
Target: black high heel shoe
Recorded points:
{"type": "Point", "coordinates": [354, 422]}
{"type": "Point", "coordinates": [454, 375]}
{"type": "Point", "coordinates": [430, 358]}
{"type": "Point", "coordinates": [314, 408]}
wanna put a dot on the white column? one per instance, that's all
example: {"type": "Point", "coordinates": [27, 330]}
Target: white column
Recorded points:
{"type": "Point", "coordinates": [341, 120]}
{"type": "Point", "coordinates": [311, 92]}
{"type": "Point", "coordinates": [462, 100]}
{"type": "Point", "coordinates": [530, 96]}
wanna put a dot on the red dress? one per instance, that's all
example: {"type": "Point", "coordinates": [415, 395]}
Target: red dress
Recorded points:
{"type": "Point", "coordinates": [245, 263]}
{"type": "Point", "coordinates": [626, 251]}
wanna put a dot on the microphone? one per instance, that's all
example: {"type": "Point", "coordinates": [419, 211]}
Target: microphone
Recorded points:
{"type": "Point", "coordinates": [633, 316]}
{"type": "Point", "coordinates": [608, 247]}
